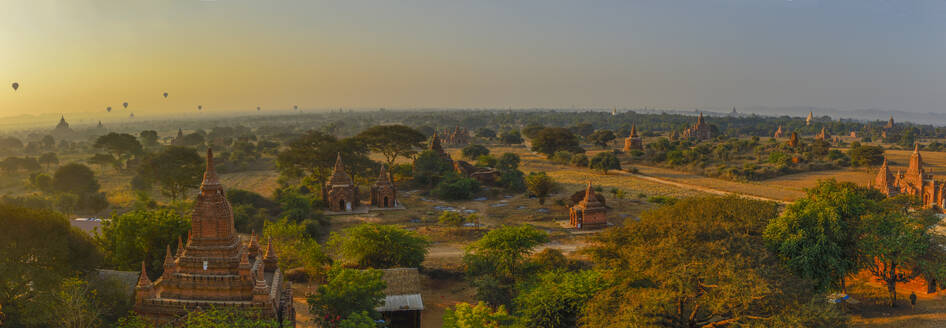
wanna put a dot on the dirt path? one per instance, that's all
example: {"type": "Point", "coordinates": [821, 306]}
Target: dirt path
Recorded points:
{"type": "Point", "coordinates": [701, 188]}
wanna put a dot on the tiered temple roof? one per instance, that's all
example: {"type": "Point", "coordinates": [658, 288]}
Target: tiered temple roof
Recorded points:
{"type": "Point", "coordinates": [699, 131]}
{"type": "Point", "coordinates": [213, 268]}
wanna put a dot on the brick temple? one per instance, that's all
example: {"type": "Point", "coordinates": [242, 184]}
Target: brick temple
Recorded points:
{"type": "Point", "coordinates": [214, 268]}
{"type": "Point", "coordinates": [383, 192]}
{"type": "Point", "coordinates": [915, 182]}
{"type": "Point", "coordinates": [633, 141]}
{"type": "Point", "coordinates": [342, 191]}
{"type": "Point", "coordinates": [699, 131]}
{"type": "Point", "coordinates": [589, 212]}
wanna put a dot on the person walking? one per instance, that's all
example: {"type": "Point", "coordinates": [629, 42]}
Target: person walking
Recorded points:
{"type": "Point", "coordinates": [912, 301]}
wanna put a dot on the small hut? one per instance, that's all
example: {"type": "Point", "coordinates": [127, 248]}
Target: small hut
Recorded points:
{"type": "Point", "coordinates": [402, 300]}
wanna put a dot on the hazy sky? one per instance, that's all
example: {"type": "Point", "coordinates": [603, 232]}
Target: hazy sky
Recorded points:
{"type": "Point", "coordinates": [81, 56]}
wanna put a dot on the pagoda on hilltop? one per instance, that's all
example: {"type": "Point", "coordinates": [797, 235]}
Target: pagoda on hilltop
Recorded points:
{"type": "Point", "coordinates": [811, 116]}
{"type": "Point", "coordinates": [214, 268]}
{"type": "Point", "coordinates": [633, 141]}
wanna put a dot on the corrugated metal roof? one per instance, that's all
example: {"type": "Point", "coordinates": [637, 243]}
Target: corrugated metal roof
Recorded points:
{"type": "Point", "coordinates": [406, 302]}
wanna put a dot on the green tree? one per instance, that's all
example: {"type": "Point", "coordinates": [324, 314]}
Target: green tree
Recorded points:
{"type": "Point", "coordinates": [865, 155]}
{"type": "Point", "coordinates": [230, 318]}
{"type": "Point", "coordinates": [485, 133]}
{"type": "Point", "coordinates": [453, 187]}
{"type": "Point", "coordinates": [370, 245]}
{"type": "Point", "coordinates": [314, 155]}
{"type": "Point", "coordinates": [700, 262]}
{"type": "Point", "coordinates": [347, 293]}
{"type": "Point", "coordinates": [511, 138]}
{"type": "Point", "coordinates": [602, 138]}
{"type": "Point", "coordinates": [503, 250]}
{"type": "Point", "coordinates": [175, 169]}
{"type": "Point", "coordinates": [540, 185]}
{"type": "Point", "coordinates": [817, 235]}
{"type": "Point", "coordinates": [498, 259]}
{"type": "Point", "coordinates": [141, 235]}
{"type": "Point", "coordinates": [532, 130]}
{"type": "Point", "coordinates": [294, 246]}
{"type": "Point", "coordinates": [549, 140]}
{"type": "Point", "coordinates": [149, 138]}
{"type": "Point", "coordinates": [580, 160]}
{"type": "Point", "coordinates": [893, 241]}
{"type": "Point", "coordinates": [190, 140]}
{"type": "Point", "coordinates": [48, 159]}
{"type": "Point", "coordinates": [474, 151]}
{"type": "Point", "coordinates": [558, 298]}
{"type": "Point", "coordinates": [392, 141]}
{"type": "Point", "coordinates": [429, 167]}
{"type": "Point", "coordinates": [122, 145]}
{"type": "Point", "coordinates": [42, 181]}
{"type": "Point", "coordinates": [104, 159]}
{"type": "Point", "coordinates": [39, 250]}
{"type": "Point", "coordinates": [508, 161]}
{"type": "Point", "coordinates": [486, 161]}
{"type": "Point", "coordinates": [358, 320]}
{"type": "Point", "coordinates": [466, 315]}
{"type": "Point", "coordinates": [75, 179]}
{"type": "Point", "coordinates": [604, 161]}
{"type": "Point", "coordinates": [73, 305]}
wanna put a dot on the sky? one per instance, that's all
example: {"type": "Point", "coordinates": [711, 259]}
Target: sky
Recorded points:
{"type": "Point", "coordinates": [83, 55]}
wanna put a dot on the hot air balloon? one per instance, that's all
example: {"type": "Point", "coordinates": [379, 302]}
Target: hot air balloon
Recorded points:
{"type": "Point", "coordinates": [296, 107]}
{"type": "Point", "coordinates": [16, 86]}
{"type": "Point", "coordinates": [132, 115]}
{"type": "Point", "coordinates": [199, 107]}
{"type": "Point", "coordinates": [108, 109]}
{"type": "Point", "coordinates": [165, 95]}
{"type": "Point", "coordinates": [257, 108]}
{"type": "Point", "coordinates": [125, 104]}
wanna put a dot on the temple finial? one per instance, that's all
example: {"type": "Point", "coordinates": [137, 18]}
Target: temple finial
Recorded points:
{"type": "Point", "coordinates": [270, 251]}
{"type": "Point", "coordinates": [210, 174]}
{"type": "Point", "coordinates": [143, 280]}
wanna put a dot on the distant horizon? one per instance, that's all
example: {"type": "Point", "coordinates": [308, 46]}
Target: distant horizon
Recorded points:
{"type": "Point", "coordinates": [27, 122]}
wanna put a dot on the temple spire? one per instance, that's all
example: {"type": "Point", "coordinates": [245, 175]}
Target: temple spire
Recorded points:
{"type": "Point", "coordinates": [700, 119]}
{"type": "Point", "coordinates": [383, 175]}
{"type": "Point", "coordinates": [588, 193]}
{"type": "Point", "coordinates": [634, 130]}
{"type": "Point", "coordinates": [168, 259]}
{"type": "Point", "coordinates": [339, 176]}
{"type": "Point", "coordinates": [210, 175]}
{"type": "Point", "coordinates": [143, 280]}
{"type": "Point", "coordinates": [338, 162]}
{"type": "Point", "coordinates": [270, 251]}
{"type": "Point", "coordinates": [180, 247]}
{"type": "Point", "coordinates": [435, 143]}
